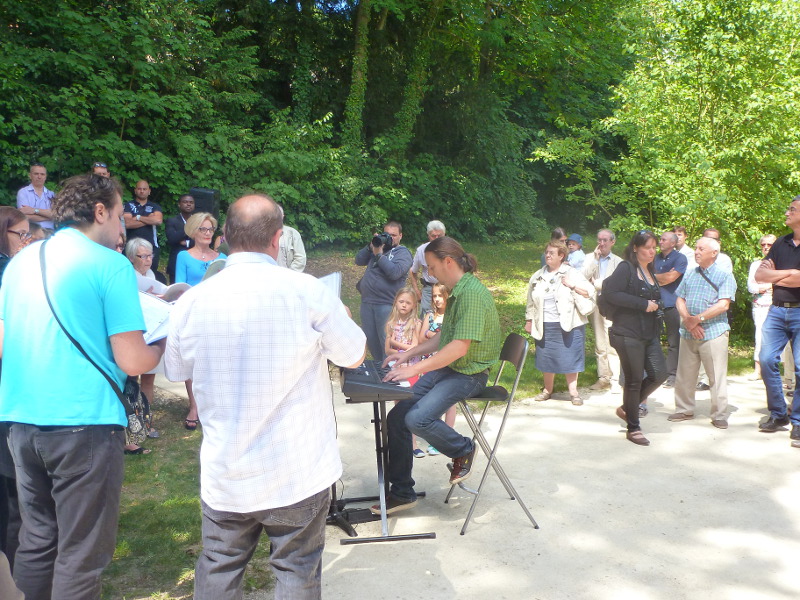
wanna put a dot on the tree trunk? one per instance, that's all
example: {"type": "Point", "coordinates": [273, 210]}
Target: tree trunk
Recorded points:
{"type": "Point", "coordinates": [418, 71]}
{"type": "Point", "coordinates": [353, 128]}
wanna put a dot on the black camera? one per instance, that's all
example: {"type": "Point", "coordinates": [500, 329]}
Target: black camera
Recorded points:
{"type": "Point", "coordinates": [383, 239]}
{"type": "Point", "coordinates": [660, 310]}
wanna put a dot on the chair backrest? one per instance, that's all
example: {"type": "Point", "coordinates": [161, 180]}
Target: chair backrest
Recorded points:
{"type": "Point", "coordinates": [514, 351]}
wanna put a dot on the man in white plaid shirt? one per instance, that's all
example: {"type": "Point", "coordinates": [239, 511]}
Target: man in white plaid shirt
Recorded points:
{"type": "Point", "coordinates": [254, 340]}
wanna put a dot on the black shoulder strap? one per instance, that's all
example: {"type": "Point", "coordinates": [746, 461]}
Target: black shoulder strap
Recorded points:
{"type": "Point", "coordinates": [711, 283]}
{"type": "Point", "coordinates": [77, 344]}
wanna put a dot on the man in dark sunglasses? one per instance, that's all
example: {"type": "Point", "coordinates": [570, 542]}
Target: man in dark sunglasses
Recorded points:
{"type": "Point", "coordinates": [101, 169]}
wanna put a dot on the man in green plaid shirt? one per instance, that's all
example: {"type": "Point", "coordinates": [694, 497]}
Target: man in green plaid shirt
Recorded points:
{"type": "Point", "coordinates": [468, 344]}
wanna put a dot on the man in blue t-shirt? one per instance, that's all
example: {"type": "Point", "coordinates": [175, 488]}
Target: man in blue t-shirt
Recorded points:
{"type": "Point", "coordinates": [670, 265]}
{"type": "Point", "coordinates": [66, 422]}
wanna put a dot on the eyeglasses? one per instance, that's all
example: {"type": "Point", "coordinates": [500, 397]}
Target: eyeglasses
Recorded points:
{"type": "Point", "coordinates": [144, 256]}
{"type": "Point", "coordinates": [766, 245]}
{"type": "Point", "coordinates": [23, 235]}
{"type": "Point", "coordinates": [103, 165]}
{"type": "Point", "coordinates": [205, 229]}
{"type": "Point", "coordinates": [792, 209]}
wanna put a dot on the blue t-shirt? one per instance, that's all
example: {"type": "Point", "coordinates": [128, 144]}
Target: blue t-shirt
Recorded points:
{"type": "Point", "coordinates": [189, 269]}
{"type": "Point", "coordinates": [664, 264]}
{"type": "Point", "coordinates": [46, 380]}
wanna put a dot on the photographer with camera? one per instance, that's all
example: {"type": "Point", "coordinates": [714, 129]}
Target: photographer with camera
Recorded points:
{"type": "Point", "coordinates": [387, 265]}
{"type": "Point", "coordinates": [704, 296]}
{"type": "Point", "coordinates": [633, 292]}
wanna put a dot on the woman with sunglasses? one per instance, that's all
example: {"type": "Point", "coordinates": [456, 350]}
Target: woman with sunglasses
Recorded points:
{"type": "Point", "coordinates": [633, 293]}
{"type": "Point", "coordinates": [190, 267]}
{"type": "Point", "coordinates": [192, 264]}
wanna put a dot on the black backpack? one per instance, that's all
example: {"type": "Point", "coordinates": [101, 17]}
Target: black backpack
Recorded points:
{"type": "Point", "coordinates": [607, 309]}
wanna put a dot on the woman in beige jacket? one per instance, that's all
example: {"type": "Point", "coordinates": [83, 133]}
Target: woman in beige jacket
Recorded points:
{"type": "Point", "coordinates": [560, 300]}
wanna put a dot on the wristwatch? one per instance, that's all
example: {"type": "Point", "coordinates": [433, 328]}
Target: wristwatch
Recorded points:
{"type": "Point", "coordinates": [702, 318]}
{"type": "Point", "coordinates": [36, 211]}
{"type": "Point", "coordinates": [138, 217]}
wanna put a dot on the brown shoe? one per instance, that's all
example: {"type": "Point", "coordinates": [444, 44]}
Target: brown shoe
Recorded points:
{"type": "Point", "coordinates": [720, 423]}
{"type": "Point", "coordinates": [622, 414]}
{"type": "Point", "coordinates": [393, 505]}
{"type": "Point", "coordinates": [637, 437]}
{"type": "Point", "coordinates": [601, 384]}
{"type": "Point", "coordinates": [461, 467]}
{"type": "Point", "coordinates": [679, 416]}
{"type": "Point", "coordinates": [543, 395]}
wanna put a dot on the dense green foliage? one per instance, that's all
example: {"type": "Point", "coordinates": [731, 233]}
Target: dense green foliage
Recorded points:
{"type": "Point", "coordinates": [495, 116]}
{"type": "Point", "coordinates": [348, 112]}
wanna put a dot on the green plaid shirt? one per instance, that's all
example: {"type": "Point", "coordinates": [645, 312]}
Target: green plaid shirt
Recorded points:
{"type": "Point", "coordinates": [472, 315]}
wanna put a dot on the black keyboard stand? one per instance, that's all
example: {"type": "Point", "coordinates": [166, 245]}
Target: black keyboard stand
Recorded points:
{"type": "Point", "coordinates": [344, 518]}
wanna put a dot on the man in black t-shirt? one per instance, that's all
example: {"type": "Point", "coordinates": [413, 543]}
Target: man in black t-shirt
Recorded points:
{"type": "Point", "coordinates": [781, 268]}
{"type": "Point", "coordinates": [142, 217]}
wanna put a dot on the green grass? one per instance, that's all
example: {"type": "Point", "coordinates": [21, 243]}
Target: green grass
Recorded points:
{"type": "Point", "coordinates": [159, 528]}
{"type": "Point", "coordinates": [159, 531]}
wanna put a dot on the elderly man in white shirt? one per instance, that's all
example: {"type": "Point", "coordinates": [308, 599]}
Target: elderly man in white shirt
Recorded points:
{"type": "Point", "coordinates": [419, 276]}
{"type": "Point", "coordinates": [599, 265]}
{"type": "Point", "coordinates": [258, 366]}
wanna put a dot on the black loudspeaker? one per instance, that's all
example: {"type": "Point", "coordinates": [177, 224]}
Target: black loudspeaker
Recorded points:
{"type": "Point", "coordinates": [205, 200]}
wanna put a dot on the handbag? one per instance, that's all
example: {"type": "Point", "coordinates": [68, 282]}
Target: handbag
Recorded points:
{"type": "Point", "coordinates": [136, 406]}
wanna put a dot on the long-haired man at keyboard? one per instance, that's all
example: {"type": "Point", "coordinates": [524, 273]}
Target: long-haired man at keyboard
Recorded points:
{"type": "Point", "coordinates": [467, 345]}
{"type": "Point", "coordinates": [260, 377]}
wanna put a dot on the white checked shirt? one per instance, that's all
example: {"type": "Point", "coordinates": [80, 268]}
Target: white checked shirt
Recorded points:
{"type": "Point", "coordinates": [254, 340]}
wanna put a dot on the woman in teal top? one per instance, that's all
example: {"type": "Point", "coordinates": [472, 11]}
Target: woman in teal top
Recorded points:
{"type": "Point", "coordinates": [193, 263]}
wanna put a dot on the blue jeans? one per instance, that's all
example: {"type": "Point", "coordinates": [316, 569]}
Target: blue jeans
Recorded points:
{"type": "Point", "coordinates": [69, 481]}
{"type": "Point", "coordinates": [373, 322]}
{"type": "Point", "coordinates": [297, 538]}
{"type": "Point", "coordinates": [781, 326]}
{"type": "Point", "coordinates": [434, 393]}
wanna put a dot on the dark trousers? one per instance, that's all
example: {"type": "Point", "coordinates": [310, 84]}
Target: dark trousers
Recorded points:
{"type": "Point", "coordinates": [9, 518]}
{"type": "Point", "coordinates": [637, 356]}
{"type": "Point", "coordinates": [672, 323]}
{"type": "Point", "coordinates": [69, 481]}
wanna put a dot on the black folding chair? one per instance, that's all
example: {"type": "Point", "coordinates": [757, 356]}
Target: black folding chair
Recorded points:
{"type": "Point", "coordinates": [515, 350]}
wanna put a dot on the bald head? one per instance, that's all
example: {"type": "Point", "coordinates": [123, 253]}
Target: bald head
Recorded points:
{"type": "Point", "coordinates": [254, 224]}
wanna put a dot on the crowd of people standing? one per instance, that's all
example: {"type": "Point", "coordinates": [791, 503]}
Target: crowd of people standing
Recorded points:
{"type": "Point", "coordinates": [269, 453]}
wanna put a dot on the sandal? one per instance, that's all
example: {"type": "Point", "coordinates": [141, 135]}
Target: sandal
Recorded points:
{"type": "Point", "coordinates": [191, 424]}
{"type": "Point", "coordinates": [577, 400]}
{"type": "Point", "coordinates": [544, 395]}
{"type": "Point", "coordinates": [138, 450]}
{"type": "Point", "coordinates": [637, 437]}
